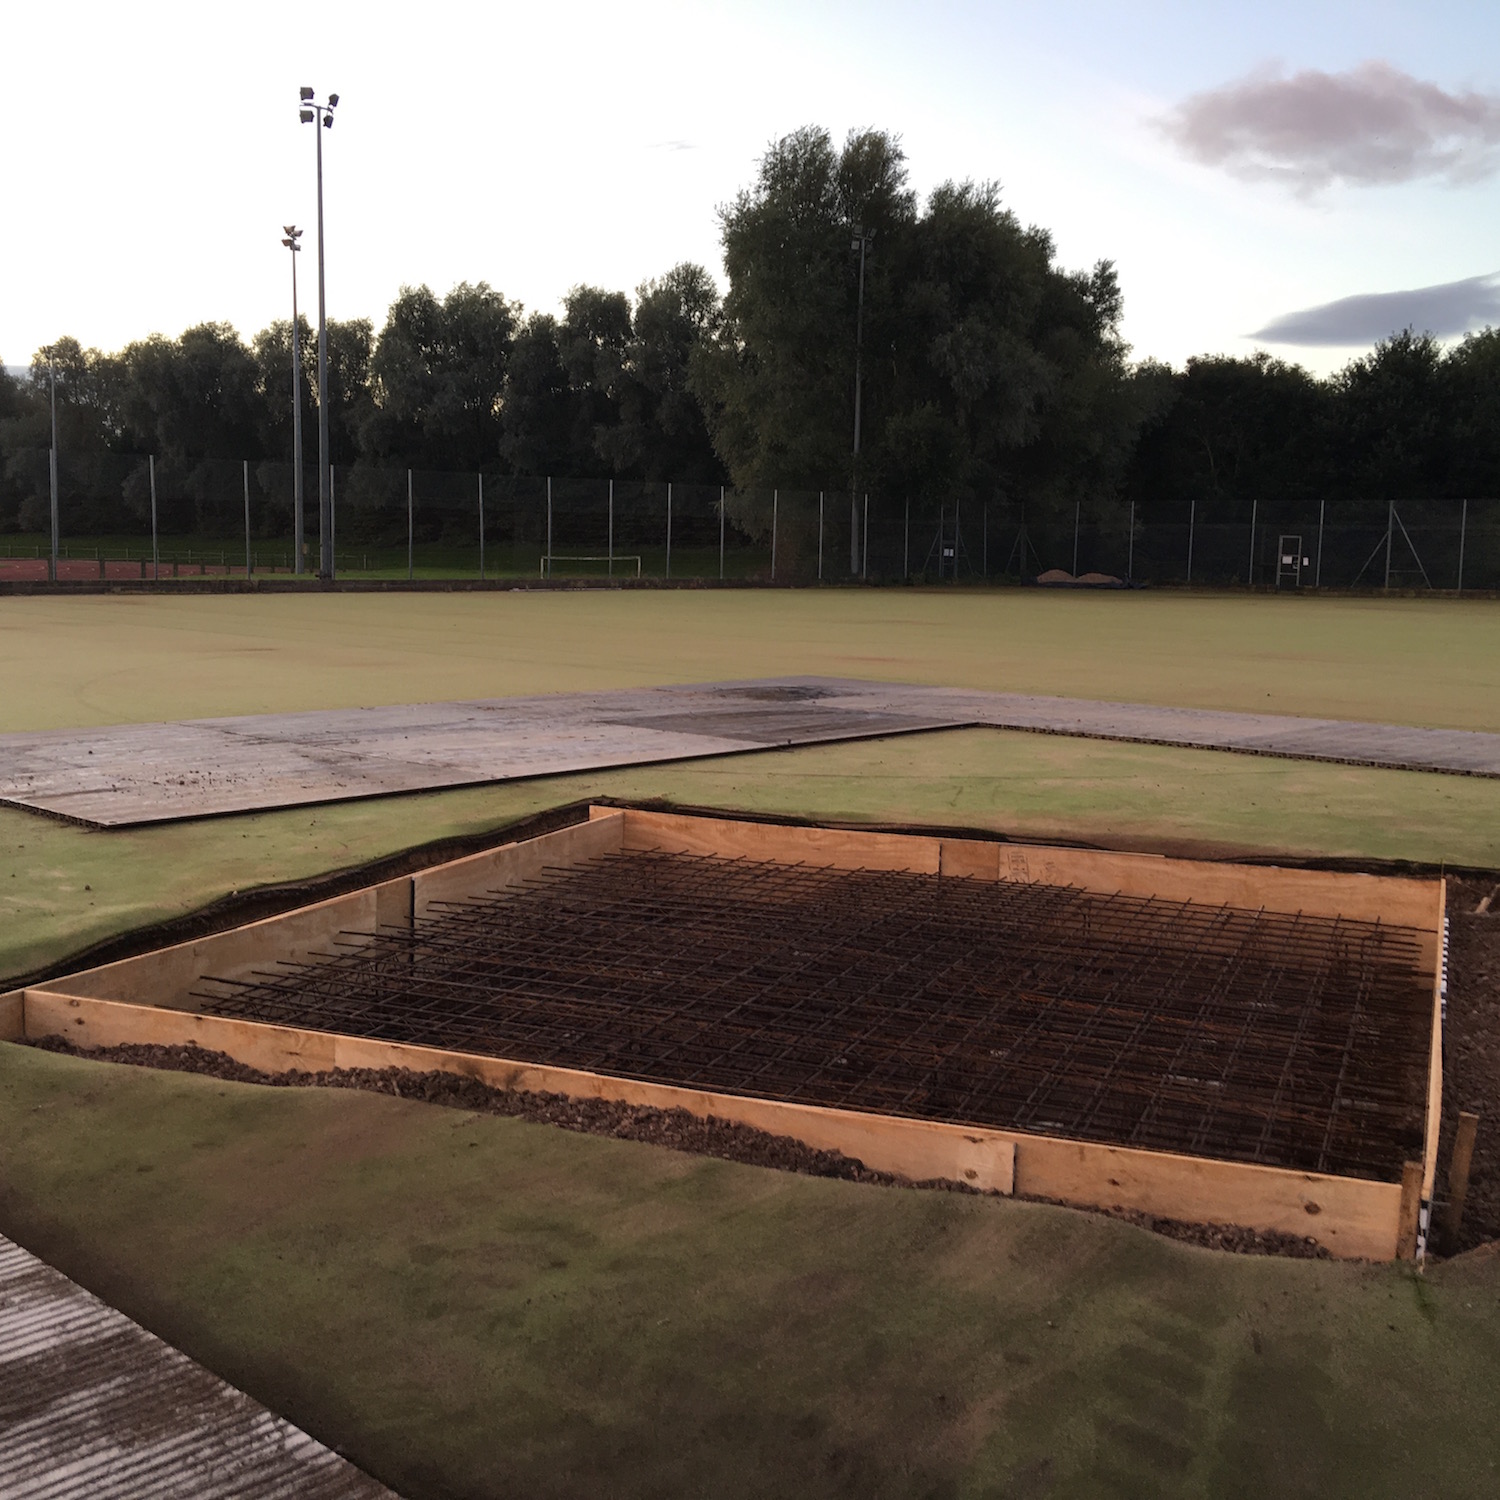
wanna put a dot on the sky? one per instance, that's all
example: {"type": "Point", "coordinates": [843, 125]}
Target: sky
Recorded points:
{"type": "Point", "coordinates": [1302, 178]}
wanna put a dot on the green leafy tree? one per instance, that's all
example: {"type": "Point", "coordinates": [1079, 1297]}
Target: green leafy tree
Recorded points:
{"type": "Point", "coordinates": [659, 431]}
{"type": "Point", "coordinates": [437, 379]}
{"type": "Point", "coordinates": [1232, 432]}
{"type": "Point", "coordinates": [272, 350]}
{"type": "Point", "coordinates": [987, 369]}
{"type": "Point", "coordinates": [194, 398]}
{"type": "Point", "coordinates": [1388, 431]}
{"type": "Point", "coordinates": [778, 381]}
{"type": "Point", "coordinates": [1471, 378]}
{"type": "Point", "coordinates": [537, 406]}
{"type": "Point", "coordinates": [593, 343]}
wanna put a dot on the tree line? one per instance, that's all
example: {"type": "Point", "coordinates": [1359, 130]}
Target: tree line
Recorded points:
{"type": "Point", "coordinates": [988, 372]}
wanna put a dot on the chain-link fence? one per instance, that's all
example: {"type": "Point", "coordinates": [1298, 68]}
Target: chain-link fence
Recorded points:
{"type": "Point", "coordinates": [121, 516]}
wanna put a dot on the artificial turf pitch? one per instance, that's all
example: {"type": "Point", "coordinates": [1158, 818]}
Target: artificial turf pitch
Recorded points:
{"type": "Point", "coordinates": [544, 1313]}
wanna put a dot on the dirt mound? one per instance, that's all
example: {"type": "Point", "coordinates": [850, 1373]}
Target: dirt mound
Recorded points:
{"type": "Point", "coordinates": [674, 1128]}
{"type": "Point", "coordinates": [1055, 575]}
{"type": "Point", "coordinates": [1108, 579]}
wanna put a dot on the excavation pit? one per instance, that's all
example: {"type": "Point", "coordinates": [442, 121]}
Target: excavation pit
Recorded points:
{"type": "Point", "coordinates": [1226, 1043]}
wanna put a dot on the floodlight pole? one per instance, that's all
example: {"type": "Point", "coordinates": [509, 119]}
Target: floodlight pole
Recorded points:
{"type": "Point", "coordinates": [52, 469]}
{"type": "Point", "coordinates": [325, 499]}
{"type": "Point", "coordinates": [860, 242]}
{"type": "Point", "coordinates": [320, 116]}
{"type": "Point", "coordinates": [293, 235]}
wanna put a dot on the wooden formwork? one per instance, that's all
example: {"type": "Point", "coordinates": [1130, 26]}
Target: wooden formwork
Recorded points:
{"type": "Point", "coordinates": [149, 999]}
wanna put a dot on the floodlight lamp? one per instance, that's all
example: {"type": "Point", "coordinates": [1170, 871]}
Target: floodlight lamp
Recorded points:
{"type": "Point", "coordinates": [327, 122]}
{"type": "Point", "coordinates": [307, 116]}
{"type": "Point", "coordinates": [333, 100]}
{"type": "Point", "coordinates": [306, 94]}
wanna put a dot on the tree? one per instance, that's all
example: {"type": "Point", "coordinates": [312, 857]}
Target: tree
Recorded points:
{"type": "Point", "coordinates": [272, 350]}
{"type": "Point", "coordinates": [536, 410]}
{"type": "Point", "coordinates": [1471, 381]}
{"type": "Point", "coordinates": [193, 399]}
{"type": "Point", "coordinates": [1388, 420]}
{"type": "Point", "coordinates": [987, 369]}
{"type": "Point", "coordinates": [1233, 431]}
{"type": "Point", "coordinates": [778, 381]}
{"type": "Point", "coordinates": [438, 377]}
{"type": "Point", "coordinates": [89, 398]}
{"type": "Point", "coordinates": [659, 431]}
{"type": "Point", "coordinates": [593, 343]}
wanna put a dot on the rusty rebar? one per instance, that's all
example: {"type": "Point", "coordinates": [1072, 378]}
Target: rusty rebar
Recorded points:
{"type": "Point", "coordinates": [1285, 1039]}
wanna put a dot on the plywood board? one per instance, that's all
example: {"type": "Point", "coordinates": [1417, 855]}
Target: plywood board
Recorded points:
{"type": "Point", "coordinates": [916, 1149]}
{"type": "Point", "coordinates": [514, 864]}
{"type": "Point", "coordinates": [1351, 1218]}
{"type": "Point", "coordinates": [122, 775]}
{"type": "Point", "coordinates": [728, 839]}
{"type": "Point", "coordinates": [1403, 902]}
{"type": "Point", "coordinates": [168, 976]}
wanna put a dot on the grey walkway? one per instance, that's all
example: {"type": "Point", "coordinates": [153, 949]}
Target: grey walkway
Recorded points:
{"type": "Point", "coordinates": [94, 1407]}
{"type": "Point", "coordinates": [148, 773]}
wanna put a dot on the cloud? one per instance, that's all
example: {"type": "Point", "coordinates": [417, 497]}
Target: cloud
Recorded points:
{"type": "Point", "coordinates": [1453, 307]}
{"type": "Point", "coordinates": [1370, 126]}
{"type": "Point", "coordinates": [674, 145]}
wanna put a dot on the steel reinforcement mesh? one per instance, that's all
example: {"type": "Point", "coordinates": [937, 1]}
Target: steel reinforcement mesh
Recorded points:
{"type": "Point", "coordinates": [1256, 1036]}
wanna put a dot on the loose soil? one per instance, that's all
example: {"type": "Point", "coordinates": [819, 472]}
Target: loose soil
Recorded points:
{"type": "Point", "coordinates": [673, 1128]}
{"type": "Point", "coordinates": [1471, 1061]}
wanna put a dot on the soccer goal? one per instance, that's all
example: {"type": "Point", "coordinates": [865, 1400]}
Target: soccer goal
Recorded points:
{"type": "Point", "coordinates": [610, 561]}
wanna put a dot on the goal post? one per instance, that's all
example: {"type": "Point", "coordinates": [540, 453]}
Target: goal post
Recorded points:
{"type": "Point", "coordinates": [550, 558]}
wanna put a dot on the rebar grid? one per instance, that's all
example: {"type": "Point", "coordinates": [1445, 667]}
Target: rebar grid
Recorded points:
{"type": "Point", "coordinates": [1256, 1036]}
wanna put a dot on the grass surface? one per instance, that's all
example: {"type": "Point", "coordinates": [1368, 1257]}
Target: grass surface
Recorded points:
{"type": "Point", "coordinates": [64, 887]}
{"type": "Point", "coordinates": [472, 1306]}
{"type": "Point", "coordinates": [68, 662]}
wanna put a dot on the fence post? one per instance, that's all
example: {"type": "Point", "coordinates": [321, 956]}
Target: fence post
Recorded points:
{"type": "Point", "coordinates": [549, 526]}
{"type": "Point", "coordinates": [1390, 521]}
{"type": "Point", "coordinates": [721, 533]}
{"type": "Point", "coordinates": [410, 529]}
{"type": "Point", "coordinates": [611, 528]}
{"type": "Point", "coordinates": [247, 517]}
{"type": "Point", "coordinates": [1318, 569]}
{"type": "Point", "coordinates": [1250, 566]}
{"type": "Point", "coordinates": [906, 541]}
{"type": "Point", "coordinates": [1077, 508]}
{"type": "Point", "coordinates": [669, 528]}
{"type": "Point", "coordinates": [820, 536]}
{"type": "Point", "coordinates": [864, 556]}
{"type": "Point", "coordinates": [775, 500]}
{"type": "Point", "coordinates": [155, 549]}
{"type": "Point", "coordinates": [481, 527]}
{"type": "Point", "coordinates": [333, 528]}
{"type": "Point", "coordinates": [1129, 546]}
{"type": "Point", "coordinates": [1463, 526]}
{"type": "Point", "coordinates": [984, 541]}
{"type": "Point", "coordinates": [1192, 525]}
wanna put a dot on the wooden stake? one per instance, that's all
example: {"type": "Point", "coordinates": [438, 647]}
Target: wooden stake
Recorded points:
{"type": "Point", "coordinates": [1411, 1204]}
{"type": "Point", "coordinates": [1458, 1172]}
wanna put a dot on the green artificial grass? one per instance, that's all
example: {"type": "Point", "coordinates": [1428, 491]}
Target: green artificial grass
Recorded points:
{"type": "Point", "coordinates": [63, 887]}
{"type": "Point", "coordinates": [472, 1306]}
{"type": "Point", "coordinates": [100, 659]}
